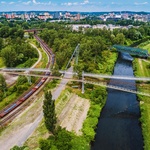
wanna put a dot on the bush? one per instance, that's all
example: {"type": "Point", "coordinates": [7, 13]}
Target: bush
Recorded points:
{"type": "Point", "coordinates": [94, 111]}
{"type": "Point", "coordinates": [89, 133]}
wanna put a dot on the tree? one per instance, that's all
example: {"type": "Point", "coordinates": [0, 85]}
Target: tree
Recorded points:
{"type": "Point", "coordinates": [9, 56]}
{"type": "Point", "coordinates": [120, 38]}
{"type": "Point", "coordinates": [3, 85]}
{"type": "Point", "coordinates": [79, 143]}
{"type": "Point", "coordinates": [49, 112]}
{"type": "Point", "coordinates": [20, 148]}
{"type": "Point", "coordinates": [63, 139]}
{"type": "Point", "coordinates": [1, 43]}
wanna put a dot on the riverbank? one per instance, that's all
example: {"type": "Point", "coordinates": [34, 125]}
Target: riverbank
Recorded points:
{"type": "Point", "coordinates": [142, 68]}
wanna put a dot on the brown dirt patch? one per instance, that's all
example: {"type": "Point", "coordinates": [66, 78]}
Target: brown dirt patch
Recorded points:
{"type": "Point", "coordinates": [74, 114]}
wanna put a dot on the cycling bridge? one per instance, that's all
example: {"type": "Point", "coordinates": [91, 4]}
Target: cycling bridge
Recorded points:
{"type": "Point", "coordinates": [33, 30]}
{"type": "Point", "coordinates": [29, 72]}
{"type": "Point", "coordinates": [133, 51]}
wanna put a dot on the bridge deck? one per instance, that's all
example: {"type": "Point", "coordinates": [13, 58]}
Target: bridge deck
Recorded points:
{"type": "Point", "coordinates": [132, 51]}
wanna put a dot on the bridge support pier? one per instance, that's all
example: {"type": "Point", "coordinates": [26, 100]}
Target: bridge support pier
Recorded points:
{"type": "Point", "coordinates": [29, 79]}
{"type": "Point", "coordinates": [82, 82]}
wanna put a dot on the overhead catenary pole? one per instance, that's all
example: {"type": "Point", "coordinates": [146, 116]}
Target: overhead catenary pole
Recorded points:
{"type": "Point", "coordinates": [76, 52]}
{"type": "Point", "coordinates": [29, 78]}
{"type": "Point", "coordinates": [82, 82]}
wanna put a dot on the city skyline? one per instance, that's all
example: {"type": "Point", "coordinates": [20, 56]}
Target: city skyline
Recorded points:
{"type": "Point", "coordinates": [74, 5]}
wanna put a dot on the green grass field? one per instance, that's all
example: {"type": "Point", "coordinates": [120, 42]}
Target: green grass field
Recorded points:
{"type": "Point", "coordinates": [143, 70]}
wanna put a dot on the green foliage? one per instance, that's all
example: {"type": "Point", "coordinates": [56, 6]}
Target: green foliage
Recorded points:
{"type": "Point", "coordinates": [1, 43]}
{"type": "Point", "coordinates": [51, 85]}
{"type": "Point", "coordinates": [15, 50]}
{"type": "Point", "coordinates": [9, 56]}
{"type": "Point", "coordinates": [63, 139]}
{"type": "Point", "coordinates": [28, 63]}
{"type": "Point", "coordinates": [3, 87]}
{"type": "Point", "coordinates": [20, 148]}
{"type": "Point", "coordinates": [98, 95]}
{"type": "Point", "coordinates": [79, 143]}
{"type": "Point", "coordinates": [14, 91]}
{"type": "Point", "coordinates": [89, 133]}
{"type": "Point", "coordinates": [94, 111]}
{"type": "Point", "coordinates": [144, 100]}
{"type": "Point", "coordinates": [46, 144]}
{"type": "Point", "coordinates": [21, 89]}
{"type": "Point", "coordinates": [21, 80]}
{"type": "Point", "coordinates": [12, 32]}
{"type": "Point", "coordinates": [49, 112]}
{"type": "Point", "coordinates": [145, 120]}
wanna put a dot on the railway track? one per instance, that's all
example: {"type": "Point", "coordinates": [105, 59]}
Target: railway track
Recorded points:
{"type": "Point", "coordinates": [11, 111]}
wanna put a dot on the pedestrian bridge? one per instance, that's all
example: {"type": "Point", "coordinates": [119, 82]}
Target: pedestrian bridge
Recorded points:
{"type": "Point", "coordinates": [33, 30]}
{"type": "Point", "coordinates": [133, 51]}
{"type": "Point", "coordinates": [30, 72]}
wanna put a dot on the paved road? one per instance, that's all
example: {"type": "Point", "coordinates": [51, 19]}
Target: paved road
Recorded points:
{"type": "Point", "coordinates": [20, 136]}
{"type": "Point", "coordinates": [62, 84]}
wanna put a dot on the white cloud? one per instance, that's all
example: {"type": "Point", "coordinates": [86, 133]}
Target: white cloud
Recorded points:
{"type": "Point", "coordinates": [144, 3]}
{"type": "Point", "coordinates": [11, 3]}
{"type": "Point", "coordinates": [76, 3]}
{"type": "Point", "coordinates": [27, 3]}
{"type": "Point", "coordinates": [69, 4]}
{"type": "Point", "coordinates": [86, 1]}
{"type": "Point", "coordinates": [39, 3]}
{"type": "Point", "coordinates": [34, 1]}
{"type": "Point", "coordinates": [114, 3]}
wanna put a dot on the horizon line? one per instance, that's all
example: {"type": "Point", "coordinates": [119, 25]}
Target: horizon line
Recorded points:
{"type": "Point", "coordinates": [75, 11]}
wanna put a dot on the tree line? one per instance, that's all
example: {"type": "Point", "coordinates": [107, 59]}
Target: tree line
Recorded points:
{"type": "Point", "coordinates": [93, 42]}
{"type": "Point", "coordinates": [13, 48]}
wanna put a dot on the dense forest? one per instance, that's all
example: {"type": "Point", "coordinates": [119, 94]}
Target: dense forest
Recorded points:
{"type": "Point", "coordinates": [95, 55]}
{"type": "Point", "coordinates": [93, 42]}
{"type": "Point", "coordinates": [15, 51]}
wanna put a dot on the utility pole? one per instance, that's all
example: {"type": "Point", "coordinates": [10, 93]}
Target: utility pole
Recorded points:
{"type": "Point", "coordinates": [29, 78]}
{"type": "Point", "coordinates": [76, 54]}
{"type": "Point", "coordinates": [82, 82]}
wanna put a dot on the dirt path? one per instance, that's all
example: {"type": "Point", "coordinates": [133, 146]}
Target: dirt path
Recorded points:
{"type": "Point", "coordinates": [146, 61]}
{"type": "Point", "coordinates": [25, 124]}
{"type": "Point", "coordinates": [21, 128]}
{"type": "Point", "coordinates": [10, 79]}
{"type": "Point", "coordinates": [74, 114]}
{"type": "Point", "coordinates": [140, 63]}
{"type": "Point", "coordinates": [40, 55]}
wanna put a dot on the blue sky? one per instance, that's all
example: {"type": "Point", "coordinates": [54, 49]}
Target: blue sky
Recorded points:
{"type": "Point", "coordinates": [75, 5]}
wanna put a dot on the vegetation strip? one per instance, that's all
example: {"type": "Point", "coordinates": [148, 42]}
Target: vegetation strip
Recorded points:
{"type": "Point", "coordinates": [139, 65]}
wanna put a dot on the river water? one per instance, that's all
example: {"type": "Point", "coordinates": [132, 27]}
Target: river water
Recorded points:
{"type": "Point", "coordinates": [119, 126]}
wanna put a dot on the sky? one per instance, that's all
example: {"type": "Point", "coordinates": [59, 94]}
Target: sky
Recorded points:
{"type": "Point", "coordinates": [75, 5]}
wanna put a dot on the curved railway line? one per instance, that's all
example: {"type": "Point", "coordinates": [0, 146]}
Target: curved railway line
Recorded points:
{"type": "Point", "coordinates": [13, 109]}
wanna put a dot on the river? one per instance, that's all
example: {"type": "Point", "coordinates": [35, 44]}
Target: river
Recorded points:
{"type": "Point", "coordinates": [119, 126]}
